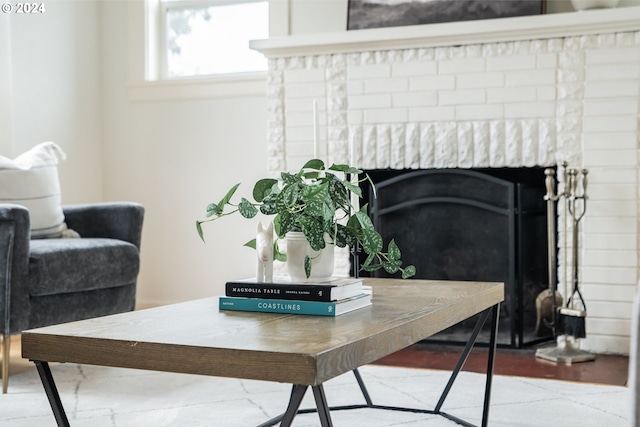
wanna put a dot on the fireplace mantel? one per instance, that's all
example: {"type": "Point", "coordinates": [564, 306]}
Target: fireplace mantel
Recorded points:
{"type": "Point", "coordinates": [455, 33]}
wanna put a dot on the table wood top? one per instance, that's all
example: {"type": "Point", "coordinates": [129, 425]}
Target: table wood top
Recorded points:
{"type": "Point", "coordinates": [195, 337]}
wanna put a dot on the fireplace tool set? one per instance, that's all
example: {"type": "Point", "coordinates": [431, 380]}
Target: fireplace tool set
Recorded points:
{"type": "Point", "coordinates": [566, 316]}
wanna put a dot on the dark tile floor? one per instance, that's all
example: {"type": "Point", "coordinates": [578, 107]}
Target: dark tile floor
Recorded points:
{"type": "Point", "coordinates": [605, 369]}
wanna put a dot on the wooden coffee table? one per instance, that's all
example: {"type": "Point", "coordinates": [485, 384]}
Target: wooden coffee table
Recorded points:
{"type": "Point", "coordinates": [305, 351]}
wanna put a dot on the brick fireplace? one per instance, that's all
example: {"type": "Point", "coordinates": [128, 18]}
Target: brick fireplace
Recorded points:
{"type": "Point", "coordinates": [508, 93]}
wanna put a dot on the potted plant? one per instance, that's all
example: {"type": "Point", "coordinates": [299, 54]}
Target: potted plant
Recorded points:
{"type": "Point", "coordinates": [316, 202]}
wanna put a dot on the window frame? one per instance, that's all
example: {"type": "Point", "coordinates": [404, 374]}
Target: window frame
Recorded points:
{"type": "Point", "coordinates": [164, 6]}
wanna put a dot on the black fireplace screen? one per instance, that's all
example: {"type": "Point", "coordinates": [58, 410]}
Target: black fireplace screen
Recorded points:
{"type": "Point", "coordinates": [461, 224]}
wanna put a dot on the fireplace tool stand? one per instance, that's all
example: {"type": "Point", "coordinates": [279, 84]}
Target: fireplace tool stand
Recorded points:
{"type": "Point", "coordinates": [567, 321]}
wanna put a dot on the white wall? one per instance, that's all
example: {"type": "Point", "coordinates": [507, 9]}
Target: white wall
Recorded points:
{"type": "Point", "coordinates": [51, 91]}
{"type": "Point", "coordinates": [174, 157]}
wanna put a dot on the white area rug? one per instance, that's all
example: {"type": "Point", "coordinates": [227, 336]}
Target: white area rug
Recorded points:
{"type": "Point", "coordinates": [100, 396]}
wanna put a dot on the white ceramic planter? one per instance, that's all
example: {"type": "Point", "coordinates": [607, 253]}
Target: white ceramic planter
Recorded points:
{"type": "Point", "coordinates": [593, 4]}
{"type": "Point", "coordinates": [321, 262]}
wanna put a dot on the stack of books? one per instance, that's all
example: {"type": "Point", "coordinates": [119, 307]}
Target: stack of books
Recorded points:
{"type": "Point", "coordinates": [331, 298]}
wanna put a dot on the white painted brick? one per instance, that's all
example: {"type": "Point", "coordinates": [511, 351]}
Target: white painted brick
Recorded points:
{"type": "Point", "coordinates": [530, 78]}
{"type": "Point", "coordinates": [613, 175]}
{"type": "Point", "coordinates": [610, 140]}
{"type": "Point", "coordinates": [303, 76]}
{"type": "Point", "coordinates": [545, 93]}
{"type": "Point", "coordinates": [509, 95]}
{"type": "Point", "coordinates": [446, 154]}
{"type": "Point", "coordinates": [301, 118]}
{"type": "Point", "coordinates": [300, 133]}
{"type": "Point", "coordinates": [614, 225]}
{"type": "Point", "coordinates": [597, 158]}
{"type": "Point", "coordinates": [432, 83]}
{"type": "Point", "coordinates": [369, 101]}
{"type": "Point", "coordinates": [304, 90]}
{"type": "Point", "coordinates": [415, 99]}
{"type": "Point", "coordinates": [304, 104]}
{"type": "Point", "coordinates": [612, 55]}
{"type": "Point", "coordinates": [355, 87]}
{"type": "Point", "coordinates": [620, 242]}
{"type": "Point", "coordinates": [386, 115]}
{"type": "Point", "coordinates": [368, 71]}
{"type": "Point", "coordinates": [611, 123]}
{"type": "Point", "coordinates": [529, 110]}
{"type": "Point", "coordinates": [355, 117]}
{"type": "Point", "coordinates": [612, 192]}
{"type": "Point", "coordinates": [607, 107]}
{"type": "Point", "coordinates": [622, 208]}
{"type": "Point", "coordinates": [613, 72]}
{"type": "Point", "coordinates": [465, 145]}
{"type": "Point", "coordinates": [462, 97]}
{"type": "Point", "coordinates": [465, 65]}
{"type": "Point", "coordinates": [431, 114]}
{"type": "Point", "coordinates": [427, 145]}
{"type": "Point", "coordinates": [479, 112]}
{"type": "Point", "coordinates": [610, 258]}
{"type": "Point", "coordinates": [386, 85]}
{"type": "Point", "coordinates": [606, 344]}
{"type": "Point", "coordinates": [547, 60]}
{"type": "Point", "coordinates": [616, 327]}
{"type": "Point", "coordinates": [383, 146]}
{"type": "Point", "coordinates": [508, 62]}
{"type": "Point", "coordinates": [620, 293]}
{"type": "Point", "coordinates": [479, 80]}
{"type": "Point", "coordinates": [611, 89]}
{"type": "Point", "coordinates": [612, 276]}
{"type": "Point", "coordinates": [610, 309]}
{"type": "Point", "coordinates": [413, 68]}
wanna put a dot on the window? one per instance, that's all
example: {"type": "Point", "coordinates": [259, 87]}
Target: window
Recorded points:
{"type": "Point", "coordinates": [211, 37]}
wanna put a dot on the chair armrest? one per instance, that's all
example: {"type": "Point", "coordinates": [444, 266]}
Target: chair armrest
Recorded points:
{"type": "Point", "coordinates": [14, 267]}
{"type": "Point", "coordinates": [115, 220]}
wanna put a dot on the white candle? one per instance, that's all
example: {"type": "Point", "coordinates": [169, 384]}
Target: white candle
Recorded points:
{"type": "Point", "coordinates": [315, 128]}
{"type": "Point", "coordinates": [355, 200]}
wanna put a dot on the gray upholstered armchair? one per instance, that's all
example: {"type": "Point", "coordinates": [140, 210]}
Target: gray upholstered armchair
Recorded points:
{"type": "Point", "coordinates": [49, 281]}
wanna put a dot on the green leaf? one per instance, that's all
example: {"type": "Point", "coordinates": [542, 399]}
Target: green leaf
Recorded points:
{"type": "Point", "coordinates": [247, 209]}
{"type": "Point", "coordinates": [283, 223]}
{"type": "Point", "coordinates": [228, 196]}
{"type": "Point", "coordinates": [345, 169]}
{"type": "Point", "coordinates": [353, 188]}
{"type": "Point", "coordinates": [263, 188]}
{"type": "Point", "coordinates": [251, 244]}
{"type": "Point", "coordinates": [289, 195]}
{"type": "Point", "coordinates": [391, 267]}
{"type": "Point", "coordinates": [344, 237]}
{"type": "Point", "coordinates": [316, 164]}
{"type": "Point", "coordinates": [214, 209]}
{"type": "Point", "coordinates": [371, 241]}
{"type": "Point", "coordinates": [409, 271]}
{"type": "Point", "coordinates": [278, 255]}
{"type": "Point", "coordinates": [373, 267]}
{"type": "Point", "coordinates": [394, 251]}
{"type": "Point", "coordinates": [199, 229]}
{"type": "Point", "coordinates": [289, 179]}
{"type": "Point", "coordinates": [307, 266]}
{"type": "Point", "coordinates": [314, 233]}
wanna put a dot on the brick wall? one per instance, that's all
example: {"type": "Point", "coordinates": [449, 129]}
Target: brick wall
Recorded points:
{"type": "Point", "coordinates": [514, 104]}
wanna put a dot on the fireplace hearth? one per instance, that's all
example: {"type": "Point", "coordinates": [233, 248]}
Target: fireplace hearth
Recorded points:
{"type": "Point", "coordinates": [471, 224]}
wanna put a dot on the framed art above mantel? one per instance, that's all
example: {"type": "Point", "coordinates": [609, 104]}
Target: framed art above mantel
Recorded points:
{"type": "Point", "coordinates": [395, 13]}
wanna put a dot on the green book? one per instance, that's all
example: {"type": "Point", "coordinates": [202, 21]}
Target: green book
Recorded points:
{"type": "Point", "coordinates": [316, 308]}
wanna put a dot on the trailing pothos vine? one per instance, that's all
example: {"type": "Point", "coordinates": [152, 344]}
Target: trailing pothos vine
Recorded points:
{"type": "Point", "coordinates": [317, 202]}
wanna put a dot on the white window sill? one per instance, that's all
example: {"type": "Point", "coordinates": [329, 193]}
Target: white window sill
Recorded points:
{"type": "Point", "coordinates": [223, 86]}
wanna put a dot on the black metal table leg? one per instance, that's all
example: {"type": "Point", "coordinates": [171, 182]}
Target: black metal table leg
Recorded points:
{"type": "Point", "coordinates": [490, 363]}
{"type": "Point", "coordinates": [322, 406]}
{"type": "Point", "coordinates": [52, 393]}
{"type": "Point", "coordinates": [297, 393]}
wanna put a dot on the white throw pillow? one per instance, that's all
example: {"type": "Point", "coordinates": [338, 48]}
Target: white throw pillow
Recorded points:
{"type": "Point", "coordinates": [31, 180]}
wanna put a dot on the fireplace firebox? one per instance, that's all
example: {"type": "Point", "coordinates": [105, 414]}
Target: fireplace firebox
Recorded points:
{"type": "Point", "coordinates": [471, 224]}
